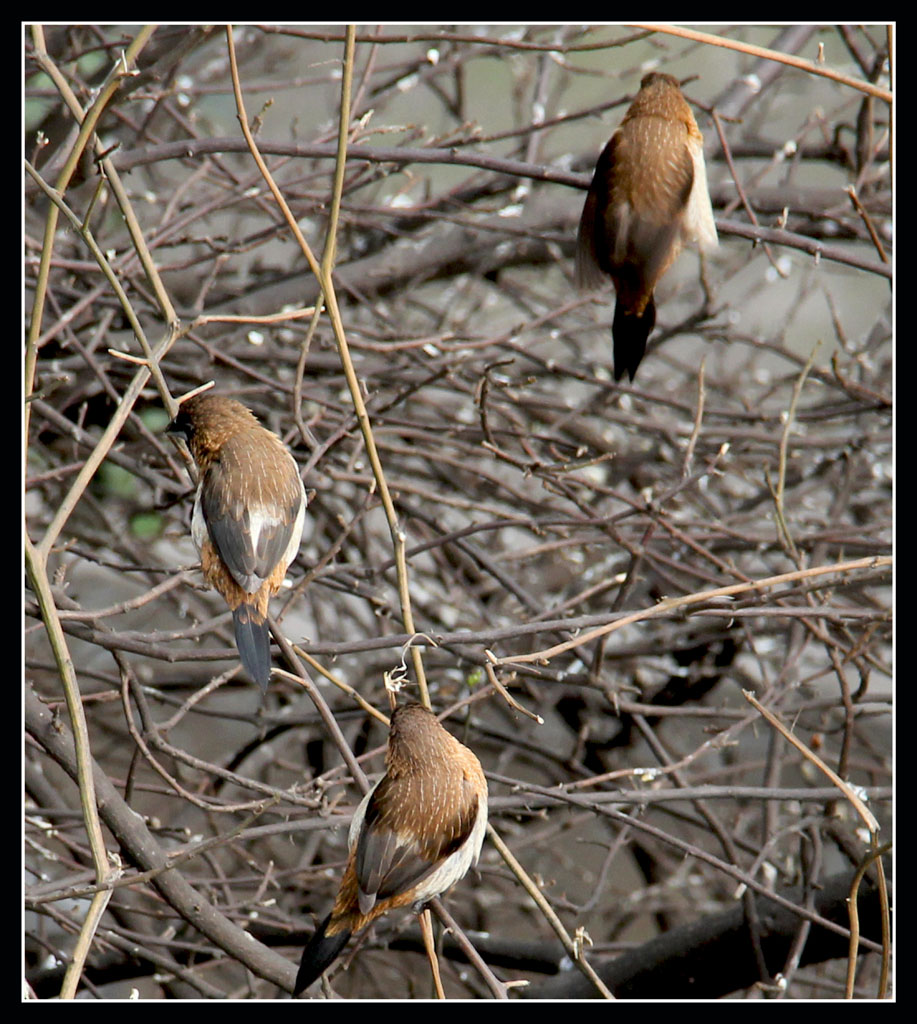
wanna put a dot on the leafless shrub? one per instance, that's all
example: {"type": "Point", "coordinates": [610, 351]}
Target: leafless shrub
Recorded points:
{"type": "Point", "coordinates": [538, 501]}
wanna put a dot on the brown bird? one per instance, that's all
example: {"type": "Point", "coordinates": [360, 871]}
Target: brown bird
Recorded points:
{"type": "Point", "coordinates": [248, 515]}
{"type": "Point", "coordinates": [648, 196]}
{"type": "Point", "coordinates": [415, 834]}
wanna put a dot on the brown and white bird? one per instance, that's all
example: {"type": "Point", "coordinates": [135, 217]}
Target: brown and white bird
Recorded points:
{"type": "Point", "coordinates": [647, 198]}
{"type": "Point", "coordinates": [248, 515]}
{"type": "Point", "coordinates": [415, 834]}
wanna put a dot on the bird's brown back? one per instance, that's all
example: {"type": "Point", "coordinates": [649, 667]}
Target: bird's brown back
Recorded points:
{"type": "Point", "coordinates": [631, 223]}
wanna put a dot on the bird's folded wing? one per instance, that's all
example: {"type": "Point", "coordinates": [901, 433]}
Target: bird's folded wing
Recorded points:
{"type": "Point", "coordinates": [251, 526]}
{"type": "Point", "coordinates": [396, 852]}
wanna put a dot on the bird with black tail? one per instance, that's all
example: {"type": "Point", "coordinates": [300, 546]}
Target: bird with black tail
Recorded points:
{"type": "Point", "coordinates": [248, 515]}
{"type": "Point", "coordinates": [647, 198]}
{"type": "Point", "coordinates": [413, 836]}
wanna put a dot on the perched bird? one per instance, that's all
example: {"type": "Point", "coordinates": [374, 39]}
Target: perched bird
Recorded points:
{"type": "Point", "coordinates": [415, 834]}
{"type": "Point", "coordinates": [648, 196]}
{"type": "Point", "coordinates": [248, 515]}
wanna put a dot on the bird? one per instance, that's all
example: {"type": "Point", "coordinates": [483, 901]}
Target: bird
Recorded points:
{"type": "Point", "coordinates": [412, 837]}
{"type": "Point", "coordinates": [248, 514]}
{"type": "Point", "coordinates": [648, 197]}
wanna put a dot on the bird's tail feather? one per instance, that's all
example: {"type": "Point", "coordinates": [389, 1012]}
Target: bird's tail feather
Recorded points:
{"type": "Point", "coordinates": [254, 643]}
{"type": "Point", "coordinates": [319, 954]}
{"type": "Point", "coordinates": [630, 332]}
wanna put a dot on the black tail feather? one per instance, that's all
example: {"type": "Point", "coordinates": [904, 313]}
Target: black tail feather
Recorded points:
{"type": "Point", "coordinates": [630, 334]}
{"type": "Point", "coordinates": [319, 955]}
{"type": "Point", "coordinates": [254, 643]}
